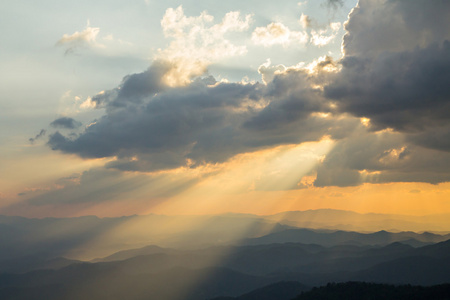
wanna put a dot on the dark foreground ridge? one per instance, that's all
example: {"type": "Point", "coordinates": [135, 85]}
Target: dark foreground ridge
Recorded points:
{"type": "Point", "coordinates": [373, 291]}
{"type": "Point", "coordinates": [284, 290]}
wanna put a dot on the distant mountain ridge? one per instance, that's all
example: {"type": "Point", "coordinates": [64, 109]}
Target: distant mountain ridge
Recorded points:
{"type": "Point", "coordinates": [353, 221]}
{"type": "Point", "coordinates": [125, 254]}
{"type": "Point", "coordinates": [330, 238]}
{"type": "Point", "coordinates": [90, 237]}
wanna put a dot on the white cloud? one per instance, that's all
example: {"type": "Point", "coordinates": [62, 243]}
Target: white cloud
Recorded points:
{"type": "Point", "coordinates": [325, 36]}
{"type": "Point", "coordinates": [305, 21]}
{"type": "Point", "coordinates": [277, 33]}
{"type": "Point", "coordinates": [85, 38]}
{"type": "Point", "coordinates": [88, 103]}
{"type": "Point", "coordinates": [90, 38]}
{"type": "Point", "coordinates": [268, 72]}
{"type": "Point", "coordinates": [197, 41]}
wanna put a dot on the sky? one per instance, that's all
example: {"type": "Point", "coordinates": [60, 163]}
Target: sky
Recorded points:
{"type": "Point", "coordinates": [204, 107]}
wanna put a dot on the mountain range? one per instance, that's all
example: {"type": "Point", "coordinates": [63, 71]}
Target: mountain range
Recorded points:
{"type": "Point", "coordinates": [232, 271]}
{"type": "Point", "coordinates": [230, 256]}
{"type": "Point", "coordinates": [90, 237]}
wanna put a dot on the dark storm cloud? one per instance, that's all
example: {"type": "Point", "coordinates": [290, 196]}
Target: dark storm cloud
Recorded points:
{"type": "Point", "coordinates": [166, 127]}
{"type": "Point", "coordinates": [295, 100]}
{"type": "Point", "coordinates": [38, 136]}
{"type": "Point", "coordinates": [149, 126]}
{"type": "Point", "coordinates": [381, 26]}
{"type": "Point", "coordinates": [434, 138]}
{"type": "Point", "coordinates": [405, 91]}
{"type": "Point", "coordinates": [396, 69]}
{"type": "Point", "coordinates": [65, 122]}
{"type": "Point", "coordinates": [296, 106]}
{"type": "Point", "coordinates": [135, 88]}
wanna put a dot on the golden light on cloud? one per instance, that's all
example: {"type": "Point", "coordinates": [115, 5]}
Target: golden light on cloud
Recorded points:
{"type": "Point", "coordinates": [365, 122]}
{"type": "Point", "coordinates": [277, 33]}
{"type": "Point", "coordinates": [324, 63]}
{"type": "Point", "coordinates": [368, 176]}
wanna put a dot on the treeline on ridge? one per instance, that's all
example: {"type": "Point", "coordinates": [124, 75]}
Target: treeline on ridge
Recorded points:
{"type": "Point", "coordinates": [374, 291]}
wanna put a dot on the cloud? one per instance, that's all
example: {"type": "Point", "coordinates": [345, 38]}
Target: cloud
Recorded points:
{"type": "Point", "coordinates": [197, 41]}
{"type": "Point", "coordinates": [294, 100]}
{"type": "Point", "coordinates": [377, 26]}
{"type": "Point", "coordinates": [165, 128]}
{"type": "Point", "coordinates": [335, 4]}
{"type": "Point", "coordinates": [84, 39]}
{"type": "Point", "coordinates": [393, 76]}
{"type": "Point", "coordinates": [396, 69]}
{"type": "Point", "coordinates": [305, 21]}
{"type": "Point", "coordinates": [404, 91]}
{"type": "Point", "coordinates": [384, 103]}
{"type": "Point", "coordinates": [150, 126]}
{"type": "Point", "coordinates": [268, 72]}
{"type": "Point", "coordinates": [65, 122]}
{"type": "Point", "coordinates": [325, 36]}
{"type": "Point", "coordinates": [435, 137]}
{"type": "Point", "coordinates": [277, 33]}
{"type": "Point", "coordinates": [380, 157]}
{"type": "Point", "coordinates": [38, 136]}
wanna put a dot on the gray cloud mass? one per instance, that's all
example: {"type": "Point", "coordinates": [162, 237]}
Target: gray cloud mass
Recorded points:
{"type": "Point", "coordinates": [405, 91]}
{"type": "Point", "coordinates": [65, 122]}
{"type": "Point", "coordinates": [395, 71]}
{"type": "Point", "coordinates": [200, 123]}
{"type": "Point", "coordinates": [365, 156]}
{"type": "Point", "coordinates": [38, 136]}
